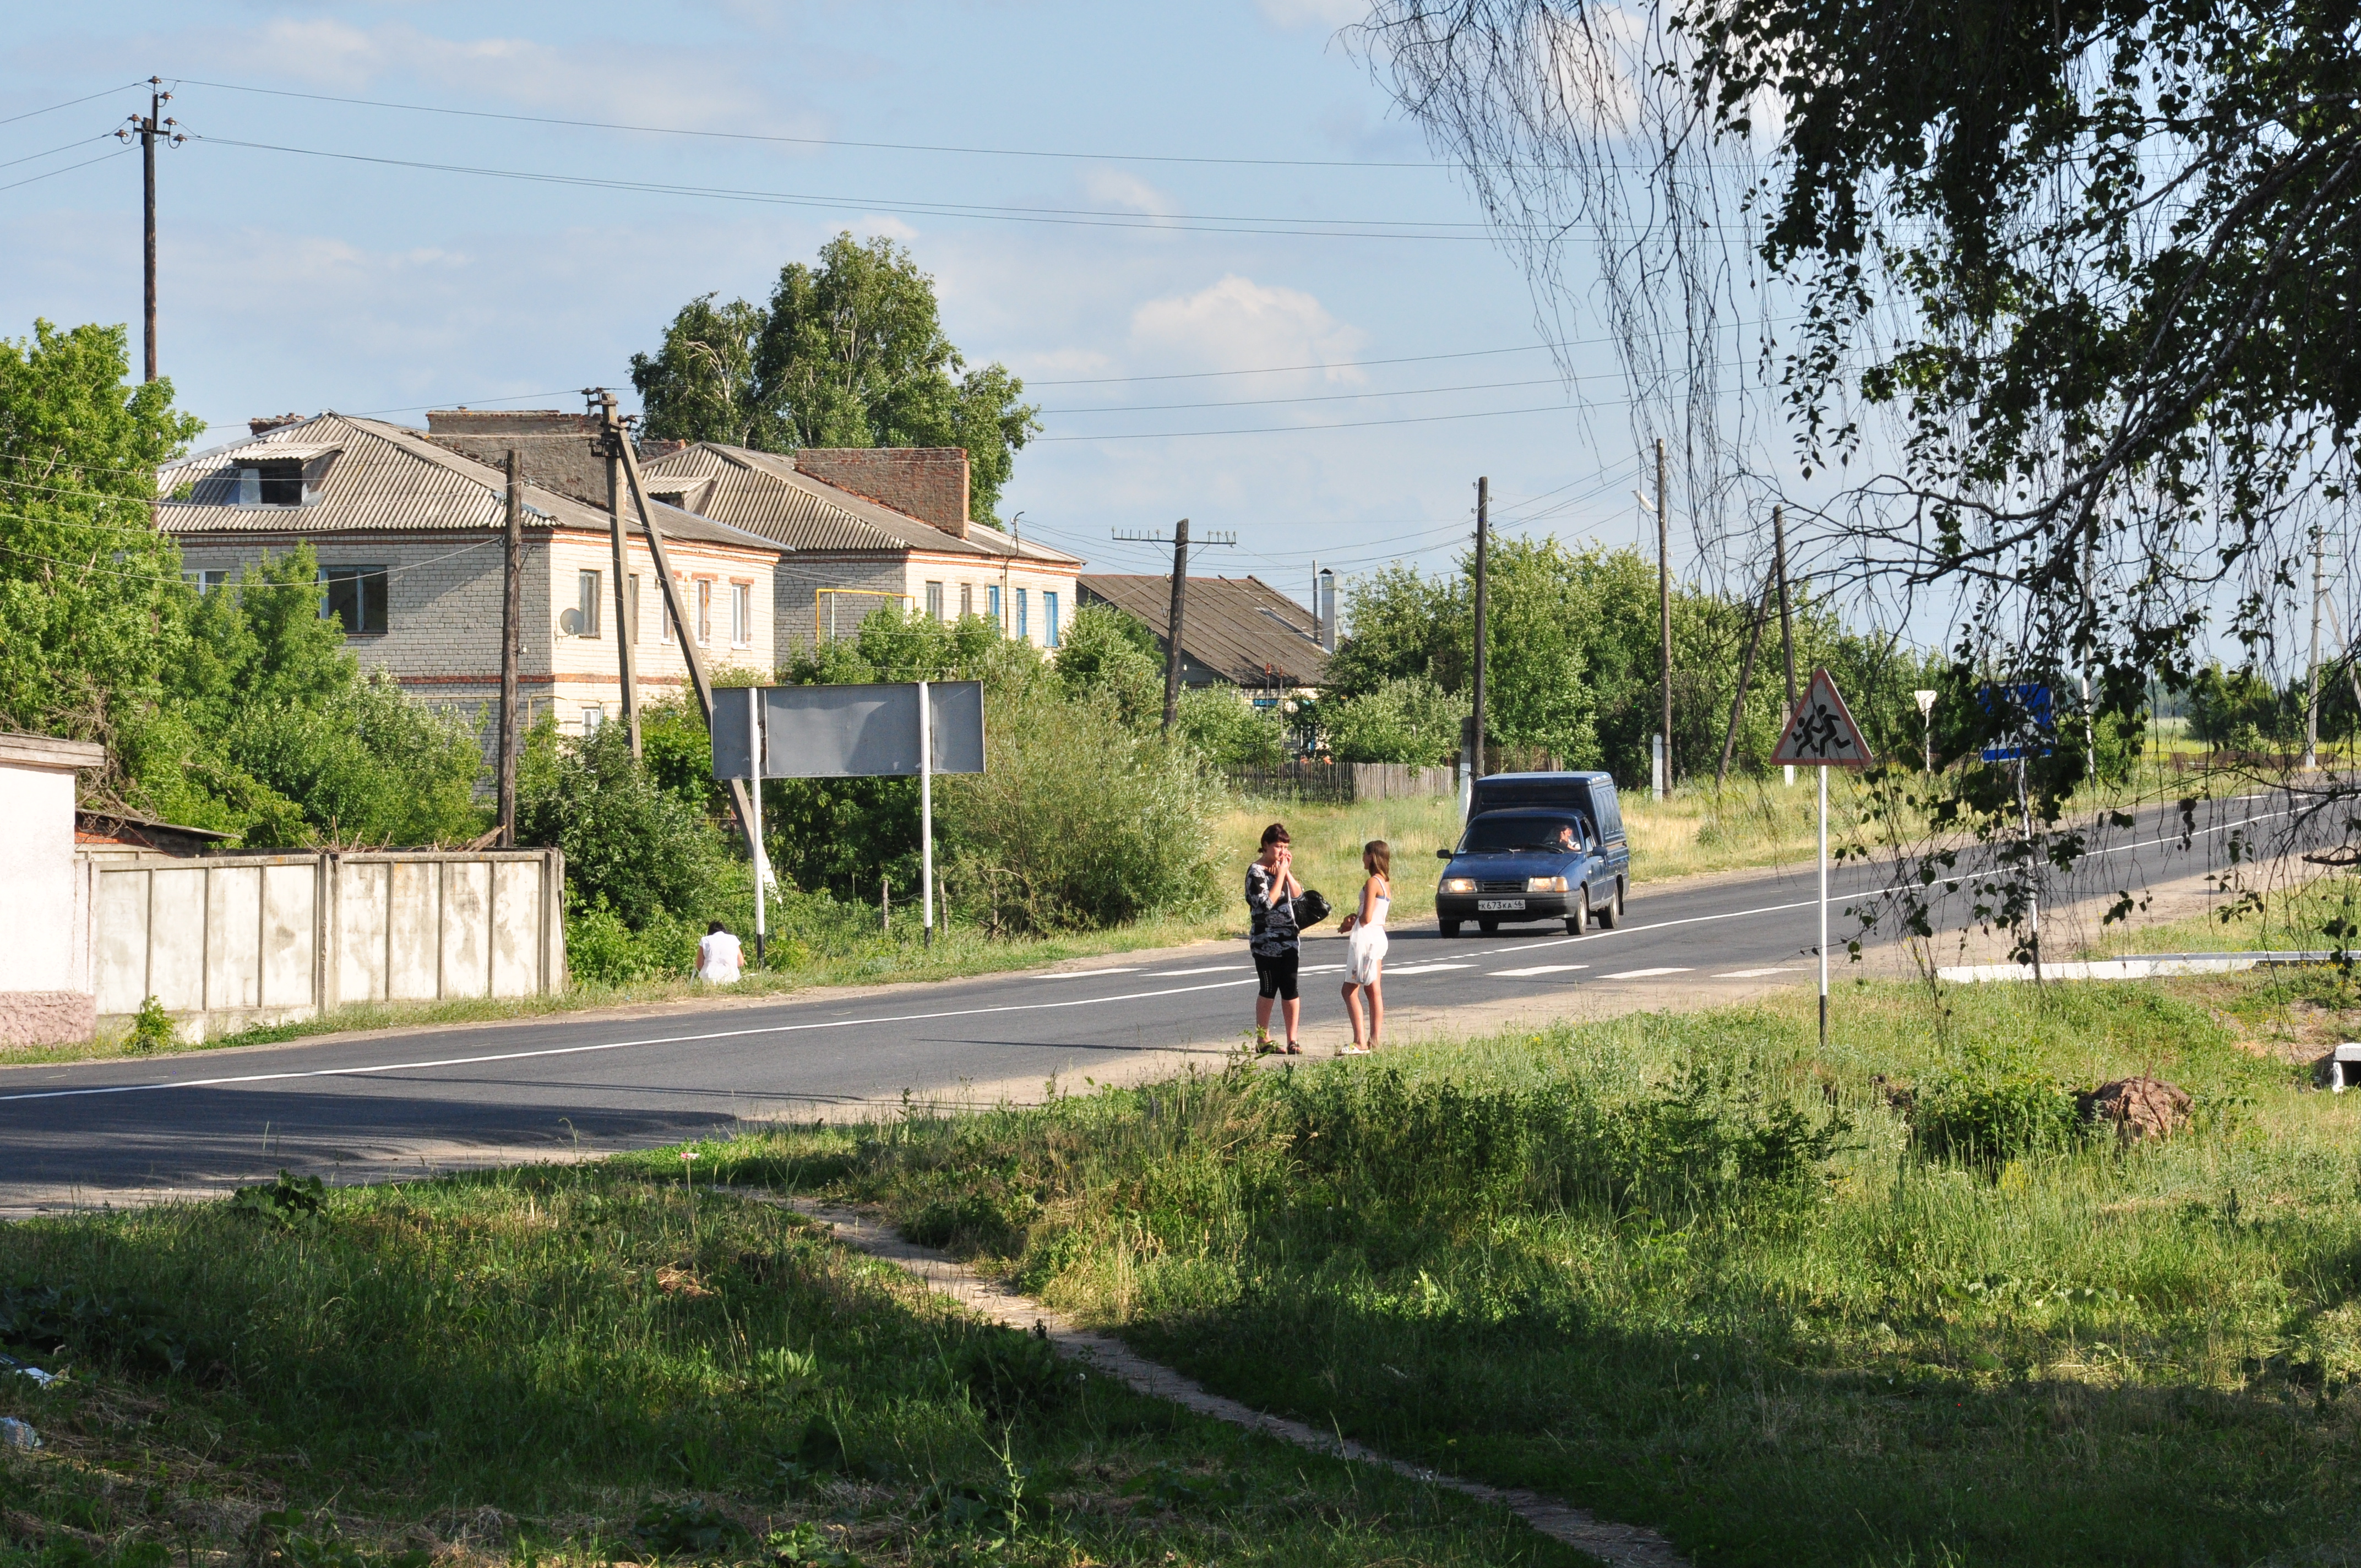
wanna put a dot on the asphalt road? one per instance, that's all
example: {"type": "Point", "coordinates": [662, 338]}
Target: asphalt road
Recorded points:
{"type": "Point", "coordinates": [351, 1108]}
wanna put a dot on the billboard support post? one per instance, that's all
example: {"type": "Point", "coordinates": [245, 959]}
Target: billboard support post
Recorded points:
{"type": "Point", "coordinates": [925, 815]}
{"type": "Point", "coordinates": [754, 785]}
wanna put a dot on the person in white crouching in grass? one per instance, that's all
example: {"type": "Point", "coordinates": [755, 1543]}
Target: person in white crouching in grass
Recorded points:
{"type": "Point", "coordinates": [1365, 947]}
{"type": "Point", "coordinates": [717, 957]}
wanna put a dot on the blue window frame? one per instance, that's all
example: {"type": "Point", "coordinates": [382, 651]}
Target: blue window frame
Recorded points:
{"type": "Point", "coordinates": [991, 604]}
{"type": "Point", "coordinates": [1023, 615]}
{"type": "Point", "coordinates": [1048, 619]}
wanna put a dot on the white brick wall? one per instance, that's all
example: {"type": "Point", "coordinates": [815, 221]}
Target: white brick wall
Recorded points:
{"type": "Point", "coordinates": [799, 576]}
{"type": "Point", "coordinates": [441, 640]}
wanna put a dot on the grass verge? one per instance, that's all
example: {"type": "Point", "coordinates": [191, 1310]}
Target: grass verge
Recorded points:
{"type": "Point", "coordinates": [1893, 1302]}
{"type": "Point", "coordinates": [602, 1363]}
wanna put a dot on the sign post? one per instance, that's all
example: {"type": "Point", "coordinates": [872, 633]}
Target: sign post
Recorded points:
{"type": "Point", "coordinates": [1821, 734]}
{"type": "Point", "coordinates": [926, 814]}
{"type": "Point", "coordinates": [754, 783]}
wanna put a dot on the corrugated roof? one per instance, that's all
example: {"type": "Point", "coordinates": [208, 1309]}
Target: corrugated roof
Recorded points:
{"type": "Point", "coordinates": [765, 492]}
{"type": "Point", "coordinates": [1233, 626]}
{"type": "Point", "coordinates": [388, 478]}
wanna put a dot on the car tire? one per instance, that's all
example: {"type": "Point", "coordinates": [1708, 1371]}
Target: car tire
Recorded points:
{"type": "Point", "coordinates": [1577, 924]}
{"type": "Point", "coordinates": [1488, 927]}
{"type": "Point", "coordinates": [1614, 912]}
{"type": "Point", "coordinates": [1450, 927]}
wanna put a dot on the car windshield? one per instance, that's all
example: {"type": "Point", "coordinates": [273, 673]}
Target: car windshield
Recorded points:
{"type": "Point", "coordinates": [1497, 834]}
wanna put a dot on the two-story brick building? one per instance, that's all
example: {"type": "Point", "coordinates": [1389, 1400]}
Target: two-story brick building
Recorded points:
{"type": "Point", "coordinates": [868, 525]}
{"type": "Point", "coordinates": [408, 536]}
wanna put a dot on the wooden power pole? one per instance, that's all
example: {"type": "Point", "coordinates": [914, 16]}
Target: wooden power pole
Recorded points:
{"type": "Point", "coordinates": [626, 627]}
{"type": "Point", "coordinates": [149, 128]}
{"type": "Point", "coordinates": [1173, 641]}
{"type": "Point", "coordinates": [511, 619]}
{"type": "Point", "coordinates": [1483, 543]}
{"type": "Point", "coordinates": [1664, 605]}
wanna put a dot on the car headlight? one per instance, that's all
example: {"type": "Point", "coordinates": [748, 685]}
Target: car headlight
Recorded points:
{"type": "Point", "coordinates": [1546, 884]}
{"type": "Point", "coordinates": [1459, 884]}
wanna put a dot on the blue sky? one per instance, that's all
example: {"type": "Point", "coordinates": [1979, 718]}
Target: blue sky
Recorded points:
{"type": "Point", "coordinates": [294, 280]}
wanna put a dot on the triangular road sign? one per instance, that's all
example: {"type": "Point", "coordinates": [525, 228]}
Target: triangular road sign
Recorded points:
{"type": "Point", "coordinates": [1821, 733]}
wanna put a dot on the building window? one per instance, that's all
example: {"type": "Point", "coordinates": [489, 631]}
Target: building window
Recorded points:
{"type": "Point", "coordinates": [273, 482]}
{"type": "Point", "coordinates": [594, 714]}
{"type": "Point", "coordinates": [205, 580]}
{"type": "Point", "coordinates": [992, 603]}
{"type": "Point", "coordinates": [703, 612]}
{"type": "Point", "coordinates": [967, 599]}
{"type": "Point", "coordinates": [585, 605]}
{"type": "Point", "coordinates": [741, 615]}
{"type": "Point", "coordinates": [1024, 616]}
{"type": "Point", "coordinates": [934, 601]}
{"type": "Point", "coordinates": [666, 630]}
{"type": "Point", "coordinates": [1049, 621]}
{"type": "Point", "coordinates": [631, 606]}
{"type": "Point", "coordinates": [355, 596]}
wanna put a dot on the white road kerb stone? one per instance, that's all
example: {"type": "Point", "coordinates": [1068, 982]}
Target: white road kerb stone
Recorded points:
{"type": "Point", "coordinates": [1626, 1546]}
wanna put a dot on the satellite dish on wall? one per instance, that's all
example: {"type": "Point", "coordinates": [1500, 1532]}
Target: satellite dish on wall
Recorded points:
{"type": "Point", "coordinates": [569, 621]}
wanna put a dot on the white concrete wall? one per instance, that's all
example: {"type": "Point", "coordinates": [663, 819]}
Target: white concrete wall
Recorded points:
{"type": "Point", "coordinates": [37, 818]}
{"type": "Point", "coordinates": [230, 942]}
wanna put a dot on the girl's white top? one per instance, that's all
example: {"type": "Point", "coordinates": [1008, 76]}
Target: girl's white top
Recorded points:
{"type": "Point", "coordinates": [718, 959]}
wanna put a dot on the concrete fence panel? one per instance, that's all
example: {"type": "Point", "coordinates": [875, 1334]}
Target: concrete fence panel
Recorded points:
{"type": "Point", "coordinates": [232, 941]}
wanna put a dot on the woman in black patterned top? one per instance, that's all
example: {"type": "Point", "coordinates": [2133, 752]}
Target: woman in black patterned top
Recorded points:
{"type": "Point", "coordinates": [1272, 892]}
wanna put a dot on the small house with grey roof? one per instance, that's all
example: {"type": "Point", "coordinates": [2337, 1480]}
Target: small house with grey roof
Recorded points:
{"type": "Point", "coordinates": [409, 535]}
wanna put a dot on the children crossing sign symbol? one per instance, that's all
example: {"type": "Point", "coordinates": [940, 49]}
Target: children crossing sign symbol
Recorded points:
{"type": "Point", "coordinates": [1821, 733]}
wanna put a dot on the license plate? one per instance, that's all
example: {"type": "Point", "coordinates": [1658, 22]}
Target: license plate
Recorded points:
{"type": "Point", "coordinates": [1495, 906]}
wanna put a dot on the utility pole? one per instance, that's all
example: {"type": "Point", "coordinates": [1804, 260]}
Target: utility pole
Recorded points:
{"type": "Point", "coordinates": [1483, 543]}
{"type": "Point", "coordinates": [1172, 624]}
{"type": "Point", "coordinates": [2312, 694]}
{"type": "Point", "coordinates": [740, 799]}
{"type": "Point", "coordinates": [511, 619]}
{"type": "Point", "coordinates": [1664, 610]}
{"type": "Point", "coordinates": [626, 623]}
{"type": "Point", "coordinates": [149, 128]}
{"type": "Point", "coordinates": [1179, 543]}
{"type": "Point", "coordinates": [1745, 673]}
{"type": "Point", "coordinates": [1786, 625]}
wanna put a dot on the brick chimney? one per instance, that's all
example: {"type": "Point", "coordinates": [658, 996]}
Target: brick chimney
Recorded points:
{"type": "Point", "coordinates": [265, 423]}
{"type": "Point", "coordinates": [927, 482]}
{"type": "Point", "coordinates": [559, 450]}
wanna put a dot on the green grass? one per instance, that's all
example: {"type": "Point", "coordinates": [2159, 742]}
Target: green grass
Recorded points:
{"type": "Point", "coordinates": [596, 1364]}
{"type": "Point", "coordinates": [1695, 1272]}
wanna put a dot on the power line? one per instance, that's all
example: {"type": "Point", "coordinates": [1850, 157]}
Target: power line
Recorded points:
{"type": "Point", "coordinates": [68, 146]}
{"type": "Point", "coordinates": [1305, 428]}
{"type": "Point", "coordinates": [69, 169]}
{"type": "Point", "coordinates": [816, 141]}
{"type": "Point", "coordinates": [1316, 398]}
{"type": "Point", "coordinates": [1072, 217]}
{"type": "Point", "coordinates": [69, 104]}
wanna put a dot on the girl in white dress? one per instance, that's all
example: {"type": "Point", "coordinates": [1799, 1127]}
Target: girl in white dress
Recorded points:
{"type": "Point", "coordinates": [1365, 949]}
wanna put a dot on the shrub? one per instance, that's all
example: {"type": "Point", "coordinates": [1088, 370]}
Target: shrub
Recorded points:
{"type": "Point", "coordinates": [630, 845]}
{"type": "Point", "coordinates": [1080, 821]}
{"type": "Point", "coordinates": [1993, 1111]}
{"type": "Point", "coordinates": [1229, 733]}
{"type": "Point", "coordinates": [1410, 721]}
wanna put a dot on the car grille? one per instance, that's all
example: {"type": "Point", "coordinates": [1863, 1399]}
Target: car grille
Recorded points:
{"type": "Point", "coordinates": [1518, 885]}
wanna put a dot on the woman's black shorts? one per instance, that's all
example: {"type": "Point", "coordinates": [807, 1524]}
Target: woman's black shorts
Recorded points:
{"type": "Point", "coordinates": [1276, 972]}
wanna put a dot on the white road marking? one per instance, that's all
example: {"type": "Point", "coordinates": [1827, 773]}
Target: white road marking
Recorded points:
{"type": "Point", "coordinates": [1089, 974]}
{"type": "Point", "coordinates": [1322, 969]}
{"type": "Point", "coordinates": [1537, 969]}
{"type": "Point", "coordinates": [1178, 973]}
{"type": "Point", "coordinates": [1641, 973]}
{"type": "Point", "coordinates": [1422, 968]}
{"type": "Point", "coordinates": [1755, 973]}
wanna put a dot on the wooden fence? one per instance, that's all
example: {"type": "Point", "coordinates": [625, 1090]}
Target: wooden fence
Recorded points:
{"type": "Point", "coordinates": [1344, 783]}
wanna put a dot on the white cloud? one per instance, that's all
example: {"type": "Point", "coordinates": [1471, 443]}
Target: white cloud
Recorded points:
{"type": "Point", "coordinates": [1240, 325]}
{"type": "Point", "coordinates": [1121, 188]}
{"type": "Point", "coordinates": [658, 86]}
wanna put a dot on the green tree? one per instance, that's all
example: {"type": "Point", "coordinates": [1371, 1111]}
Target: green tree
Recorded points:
{"type": "Point", "coordinates": [848, 353]}
{"type": "Point", "coordinates": [1408, 719]}
{"type": "Point", "coordinates": [92, 611]}
{"type": "Point", "coordinates": [699, 386]}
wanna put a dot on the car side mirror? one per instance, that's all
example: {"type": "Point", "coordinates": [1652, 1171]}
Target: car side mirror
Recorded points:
{"type": "Point", "coordinates": [1441, 854]}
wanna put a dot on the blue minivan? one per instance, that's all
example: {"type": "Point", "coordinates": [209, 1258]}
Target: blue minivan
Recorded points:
{"type": "Point", "coordinates": [1537, 847]}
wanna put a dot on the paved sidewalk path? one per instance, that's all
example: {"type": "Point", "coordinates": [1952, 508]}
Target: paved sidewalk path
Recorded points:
{"type": "Point", "coordinates": [1625, 1546]}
